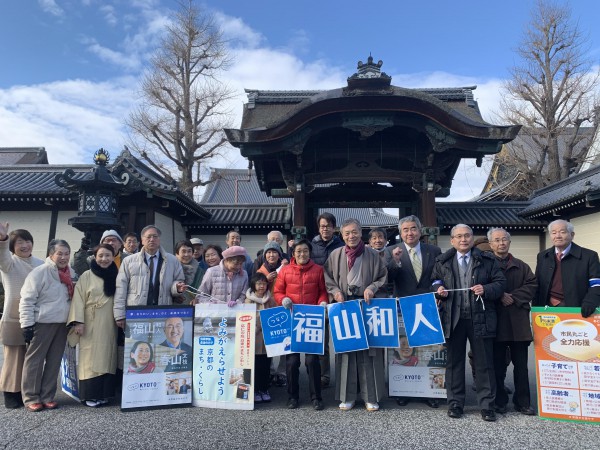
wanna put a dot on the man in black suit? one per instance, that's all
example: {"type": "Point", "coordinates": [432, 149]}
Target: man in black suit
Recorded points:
{"type": "Point", "coordinates": [568, 275]}
{"type": "Point", "coordinates": [409, 267]}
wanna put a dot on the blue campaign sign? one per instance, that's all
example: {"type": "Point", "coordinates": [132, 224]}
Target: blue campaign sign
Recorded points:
{"type": "Point", "coordinates": [422, 320]}
{"type": "Point", "coordinates": [381, 322]}
{"type": "Point", "coordinates": [308, 329]}
{"type": "Point", "coordinates": [277, 330]}
{"type": "Point", "coordinates": [348, 332]}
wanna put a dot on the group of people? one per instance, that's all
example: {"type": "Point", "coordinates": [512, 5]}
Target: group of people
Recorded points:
{"type": "Point", "coordinates": [483, 297]}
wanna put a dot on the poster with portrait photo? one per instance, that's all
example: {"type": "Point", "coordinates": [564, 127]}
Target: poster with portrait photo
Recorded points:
{"type": "Point", "coordinates": [416, 371]}
{"type": "Point", "coordinates": [157, 362]}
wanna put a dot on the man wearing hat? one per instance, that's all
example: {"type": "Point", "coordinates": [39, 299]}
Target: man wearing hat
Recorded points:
{"type": "Point", "coordinates": [81, 260]}
{"type": "Point", "coordinates": [198, 255]}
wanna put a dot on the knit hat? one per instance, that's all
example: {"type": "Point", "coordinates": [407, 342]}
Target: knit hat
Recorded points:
{"type": "Point", "coordinates": [272, 245]}
{"type": "Point", "coordinates": [196, 241]}
{"type": "Point", "coordinates": [108, 233]}
{"type": "Point", "coordinates": [236, 250]}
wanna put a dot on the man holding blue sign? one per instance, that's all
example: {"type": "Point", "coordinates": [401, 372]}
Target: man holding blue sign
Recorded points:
{"type": "Point", "coordinates": [469, 283]}
{"type": "Point", "coordinates": [302, 282]}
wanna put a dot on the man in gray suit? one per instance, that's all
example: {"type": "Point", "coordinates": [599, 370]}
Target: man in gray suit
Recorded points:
{"type": "Point", "coordinates": [409, 267]}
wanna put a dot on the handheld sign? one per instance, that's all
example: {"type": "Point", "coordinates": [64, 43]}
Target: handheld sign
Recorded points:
{"type": "Point", "coordinates": [277, 330]}
{"type": "Point", "coordinates": [422, 320]}
{"type": "Point", "coordinates": [348, 332]}
{"type": "Point", "coordinates": [381, 322]}
{"type": "Point", "coordinates": [308, 329]}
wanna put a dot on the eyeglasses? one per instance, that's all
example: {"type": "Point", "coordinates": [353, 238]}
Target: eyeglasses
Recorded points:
{"type": "Point", "coordinates": [503, 241]}
{"type": "Point", "coordinates": [301, 252]}
{"type": "Point", "coordinates": [325, 227]}
{"type": "Point", "coordinates": [151, 236]}
{"type": "Point", "coordinates": [461, 236]}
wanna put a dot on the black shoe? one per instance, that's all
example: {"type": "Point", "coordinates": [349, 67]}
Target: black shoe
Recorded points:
{"type": "Point", "coordinates": [292, 403]}
{"type": "Point", "coordinates": [433, 402]}
{"type": "Point", "coordinates": [488, 415]}
{"type": "Point", "coordinates": [527, 410]}
{"type": "Point", "coordinates": [500, 409]}
{"type": "Point", "coordinates": [317, 405]}
{"type": "Point", "coordinates": [324, 382]}
{"type": "Point", "coordinates": [455, 412]}
{"type": "Point", "coordinates": [13, 400]}
{"type": "Point", "coordinates": [281, 381]}
{"type": "Point", "coordinates": [402, 401]}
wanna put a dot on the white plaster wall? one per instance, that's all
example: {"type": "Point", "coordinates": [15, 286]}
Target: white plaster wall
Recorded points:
{"type": "Point", "coordinates": [65, 231]}
{"type": "Point", "coordinates": [165, 224]}
{"type": "Point", "coordinates": [36, 222]}
{"type": "Point", "coordinates": [586, 231]}
{"type": "Point", "coordinates": [251, 242]}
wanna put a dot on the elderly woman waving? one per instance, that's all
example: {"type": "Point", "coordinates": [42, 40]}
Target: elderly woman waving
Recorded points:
{"type": "Point", "coordinates": [356, 271]}
{"type": "Point", "coordinates": [45, 302]}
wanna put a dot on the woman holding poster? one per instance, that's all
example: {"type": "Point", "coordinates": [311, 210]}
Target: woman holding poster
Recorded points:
{"type": "Point", "coordinates": [355, 272]}
{"type": "Point", "coordinates": [91, 316]}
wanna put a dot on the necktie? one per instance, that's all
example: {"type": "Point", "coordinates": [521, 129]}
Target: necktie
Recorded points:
{"type": "Point", "coordinates": [416, 263]}
{"type": "Point", "coordinates": [559, 257]}
{"type": "Point", "coordinates": [151, 266]}
{"type": "Point", "coordinates": [465, 264]}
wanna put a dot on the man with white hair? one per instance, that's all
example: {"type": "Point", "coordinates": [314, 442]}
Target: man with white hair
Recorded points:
{"type": "Point", "coordinates": [568, 275]}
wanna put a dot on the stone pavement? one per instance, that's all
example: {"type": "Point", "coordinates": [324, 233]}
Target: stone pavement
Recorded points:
{"type": "Point", "coordinates": [273, 426]}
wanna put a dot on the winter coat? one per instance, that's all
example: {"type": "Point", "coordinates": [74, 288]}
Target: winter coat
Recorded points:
{"type": "Point", "coordinates": [44, 298]}
{"type": "Point", "coordinates": [193, 274]}
{"type": "Point", "coordinates": [321, 249]}
{"type": "Point", "coordinates": [485, 271]}
{"type": "Point", "coordinates": [14, 270]}
{"type": "Point", "coordinates": [134, 279]}
{"type": "Point", "coordinates": [373, 272]}
{"type": "Point", "coordinates": [578, 267]}
{"type": "Point", "coordinates": [216, 284]}
{"type": "Point", "coordinates": [98, 345]}
{"type": "Point", "coordinates": [261, 303]}
{"type": "Point", "coordinates": [403, 277]}
{"type": "Point", "coordinates": [303, 284]}
{"type": "Point", "coordinates": [513, 320]}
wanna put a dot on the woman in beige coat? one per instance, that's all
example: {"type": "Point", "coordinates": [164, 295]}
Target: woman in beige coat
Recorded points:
{"type": "Point", "coordinates": [92, 318]}
{"type": "Point", "coordinates": [15, 264]}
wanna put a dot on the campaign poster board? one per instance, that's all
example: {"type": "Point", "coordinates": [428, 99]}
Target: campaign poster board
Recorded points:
{"type": "Point", "coordinates": [277, 330]}
{"type": "Point", "coordinates": [157, 362]}
{"type": "Point", "coordinates": [308, 329]}
{"type": "Point", "coordinates": [69, 381]}
{"type": "Point", "coordinates": [567, 360]}
{"type": "Point", "coordinates": [416, 371]}
{"type": "Point", "coordinates": [224, 340]}
{"type": "Point", "coordinates": [348, 332]}
{"type": "Point", "coordinates": [381, 322]}
{"type": "Point", "coordinates": [422, 320]}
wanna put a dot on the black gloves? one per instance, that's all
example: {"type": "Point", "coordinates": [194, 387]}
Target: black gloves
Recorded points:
{"type": "Point", "coordinates": [28, 333]}
{"type": "Point", "coordinates": [587, 310]}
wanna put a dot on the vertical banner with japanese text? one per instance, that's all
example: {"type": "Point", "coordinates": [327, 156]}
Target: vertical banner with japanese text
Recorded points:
{"type": "Point", "coordinates": [157, 366]}
{"type": "Point", "coordinates": [277, 330]}
{"type": "Point", "coordinates": [381, 322]}
{"type": "Point", "coordinates": [224, 356]}
{"type": "Point", "coordinates": [416, 371]}
{"type": "Point", "coordinates": [308, 329]}
{"type": "Point", "coordinates": [567, 358]}
{"type": "Point", "coordinates": [348, 332]}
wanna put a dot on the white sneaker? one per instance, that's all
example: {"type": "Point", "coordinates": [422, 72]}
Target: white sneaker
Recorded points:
{"type": "Point", "coordinates": [346, 406]}
{"type": "Point", "coordinates": [92, 403]}
{"type": "Point", "coordinates": [372, 406]}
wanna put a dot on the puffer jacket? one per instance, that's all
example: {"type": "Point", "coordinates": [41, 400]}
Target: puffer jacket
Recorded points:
{"type": "Point", "coordinates": [304, 284]}
{"type": "Point", "coordinates": [134, 279]}
{"type": "Point", "coordinates": [486, 271]}
{"type": "Point", "coordinates": [216, 284]}
{"type": "Point", "coordinates": [44, 298]}
{"type": "Point", "coordinates": [321, 249]}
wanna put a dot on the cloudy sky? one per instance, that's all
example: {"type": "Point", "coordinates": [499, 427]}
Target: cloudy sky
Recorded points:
{"type": "Point", "coordinates": [71, 68]}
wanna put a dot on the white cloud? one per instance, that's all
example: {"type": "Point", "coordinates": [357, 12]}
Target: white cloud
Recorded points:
{"type": "Point", "coordinates": [127, 61]}
{"type": "Point", "coordinates": [109, 14]}
{"type": "Point", "coordinates": [237, 32]}
{"type": "Point", "coordinates": [51, 7]}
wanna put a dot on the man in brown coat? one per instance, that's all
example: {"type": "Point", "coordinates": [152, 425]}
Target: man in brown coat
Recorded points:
{"type": "Point", "coordinates": [514, 330]}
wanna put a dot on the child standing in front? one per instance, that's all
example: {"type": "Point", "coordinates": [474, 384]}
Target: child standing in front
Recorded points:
{"type": "Point", "coordinates": [259, 293]}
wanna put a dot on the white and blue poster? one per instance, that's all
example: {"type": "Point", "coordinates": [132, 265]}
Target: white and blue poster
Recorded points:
{"type": "Point", "coordinates": [308, 329]}
{"type": "Point", "coordinates": [422, 320]}
{"type": "Point", "coordinates": [277, 330]}
{"type": "Point", "coordinates": [157, 366]}
{"type": "Point", "coordinates": [348, 332]}
{"type": "Point", "coordinates": [224, 341]}
{"type": "Point", "coordinates": [381, 322]}
{"type": "Point", "coordinates": [68, 372]}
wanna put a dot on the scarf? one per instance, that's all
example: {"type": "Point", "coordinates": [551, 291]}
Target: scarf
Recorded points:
{"type": "Point", "coordinates": [272, 267]}
{"type": "Point", "coordinates": [108, 275]}
{"type": "Point", "coordinates": [65, 278]}
{"type": "Point", "coordinates": [353, 253]}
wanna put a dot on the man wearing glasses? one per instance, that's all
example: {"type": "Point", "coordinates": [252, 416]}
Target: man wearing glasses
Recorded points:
{"type": "Point", "coordinates": [469, 284]}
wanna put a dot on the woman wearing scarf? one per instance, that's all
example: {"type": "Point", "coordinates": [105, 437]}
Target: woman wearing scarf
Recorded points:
{"type": "Point", "coordinates": [272, 256]}
{"type": "Point", "coordinates": [356, 272]}
{"type": "Point", "coordinates": [16, 263]}
{"type": "Point", "coordinates": [45, 302]}
{"type": "Point", "coordinates": [228, 281]}
{"type": "Point", "coordinates": [184, 252]}
{"type": "Point", "coordinates": [93, 323]}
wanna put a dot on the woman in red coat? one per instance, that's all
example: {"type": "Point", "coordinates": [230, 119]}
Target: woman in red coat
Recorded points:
{"type": "Point", "coordinates": [302, 282]}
